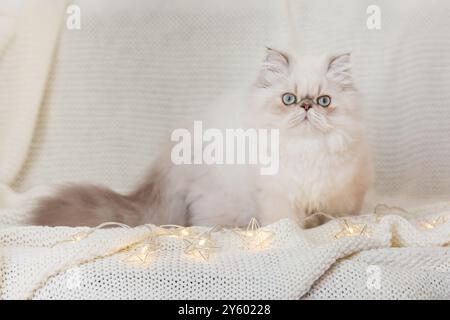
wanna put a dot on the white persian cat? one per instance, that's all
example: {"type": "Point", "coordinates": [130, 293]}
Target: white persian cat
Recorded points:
{"type": "Point", "coordinates": [323, 159]}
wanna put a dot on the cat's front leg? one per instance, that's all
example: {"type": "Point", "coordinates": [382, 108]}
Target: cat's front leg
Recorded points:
{"type": "Point", "coordinates": [314, 220]}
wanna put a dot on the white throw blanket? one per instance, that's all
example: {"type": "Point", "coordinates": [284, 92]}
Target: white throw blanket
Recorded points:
{"type": "Point", "coordinates": [96, 109]}
{"type": "Point", "coordinates": [386, 257]}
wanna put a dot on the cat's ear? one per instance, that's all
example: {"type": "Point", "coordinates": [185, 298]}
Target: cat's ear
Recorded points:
{"type": "Point", "coordinates": [339, 69]}
{"type": "Point", "coordinates": [274, 68]}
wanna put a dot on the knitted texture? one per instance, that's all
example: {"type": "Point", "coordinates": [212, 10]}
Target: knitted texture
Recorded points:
{"type": "Point", "coordinates": [409, 260]}
{"type": "Point", "coordinates": [133, 71]}
{"type": "Point", "coordinates": [32, 29]}
{"type": "Point", "coordinates": [101, 105]}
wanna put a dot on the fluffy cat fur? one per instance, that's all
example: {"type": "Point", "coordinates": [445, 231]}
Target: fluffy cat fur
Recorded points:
{"type": "Point", "coordinates": [324, 163]}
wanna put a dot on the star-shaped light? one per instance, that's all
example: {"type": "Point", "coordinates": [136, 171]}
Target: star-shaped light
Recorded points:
{"type": "Point", "coordinates": [79, 236]}
{"type": "Point", "coordinates": [349, 229]}
{"type": "Point", "coordinates": [141, 254]}
{"type": "Point", "coordinates": [254, 237]}
{"type": "Point", "coordinates": [200, 246]}
{"type": "Point", "coordinates": [381, 210]}
{"type": "Point", "coordinates": [430, 224]}
{"type": "Point", "coordinates": [176, 231]}
{"type": "Point", "coordinates": [74, 238]}
{"type": "Point", "coordinates": [185, 233]}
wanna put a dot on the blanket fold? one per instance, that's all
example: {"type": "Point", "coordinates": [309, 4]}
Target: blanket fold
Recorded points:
{"type": "Point", "coordinates": [24, 68]}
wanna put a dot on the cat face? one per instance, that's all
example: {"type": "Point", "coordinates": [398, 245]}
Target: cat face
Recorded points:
{"type": "Point", "coordinates": [308, 95]}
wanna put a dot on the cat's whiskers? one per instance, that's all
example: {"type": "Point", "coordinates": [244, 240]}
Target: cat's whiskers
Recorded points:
{"type": "Point", "coordinates": [295, 119]}
{"type": "Point", "coordinates": [320, 121]}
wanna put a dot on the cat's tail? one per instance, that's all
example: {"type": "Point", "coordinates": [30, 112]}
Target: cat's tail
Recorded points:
{"type": "Point", "coordinates": [87, 205]}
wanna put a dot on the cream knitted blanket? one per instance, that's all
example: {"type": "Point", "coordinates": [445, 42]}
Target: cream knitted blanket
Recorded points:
{"type": "Point", "coordinates": [375, 256]}
{"type": "Point", "coordinates": [28, 37]}
{"type": "Point", "coordinates": [66, 118]}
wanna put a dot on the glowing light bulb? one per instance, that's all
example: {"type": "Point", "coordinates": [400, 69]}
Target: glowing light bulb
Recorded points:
{"type": "Point", "coordinates": [431, 224]}
{"type": "Point", "coordinates": [200, 246]}
{"type": "Point", "coordinates": [349, 229]}
{"type": "Point", "coordinates": [80, 236]}
{"type": "Point", "coordinates": [254, 237]}
{"type": "Point", "coordinates": [142, 253]}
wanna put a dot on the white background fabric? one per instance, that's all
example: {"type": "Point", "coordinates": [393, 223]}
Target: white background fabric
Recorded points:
{"type": "Point", "coordinates": [137, 67]}
{"type": "Point", "coordinates": [28, 41]}
{"type": "Point", "coordinates": [130, 73]}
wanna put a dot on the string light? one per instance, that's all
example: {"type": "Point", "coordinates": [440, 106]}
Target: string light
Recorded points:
{"type": "Point", "coordinates": [254, 237]}
{"type": "Point", "coordinates": [381, 210]}
{"type": "Point", "coordinates": [74, 238]}
{"type": "Point", "coordinates": [173, 230]}
{"type": "Point", "coordinates": [200, 246]}
{"type": "Point", "coordinates": [84, 234]}
{"type": "Point", "coordinates": [424, 223]}
{"type": "Point", "coordinates": [79, 236]}
{"type": "Point", "coordinates": [431, 224]}
{"type": "Point", "coordinates": [349, 229]}
{"type": "Point", "coordinates": [141, 254]}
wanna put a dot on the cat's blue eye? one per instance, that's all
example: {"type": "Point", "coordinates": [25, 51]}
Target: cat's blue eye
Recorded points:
{"type": "Point", "coordinates": [289, 98]}
{"type": "Point", "coordinates": [324, 101]}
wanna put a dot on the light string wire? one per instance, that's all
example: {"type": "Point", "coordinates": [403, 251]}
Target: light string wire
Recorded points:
{"type": "Point", "coordinates": [52, 274]}
{"type": "Point", "coordinates": [351, 228]}
{"type": "Point", "coordinates": [84, 234]}
{"type": "Point", "coordinates": [163, 230]}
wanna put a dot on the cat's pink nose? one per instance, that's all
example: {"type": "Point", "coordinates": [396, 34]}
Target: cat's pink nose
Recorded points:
{"type": "Point", "coordinates": [306, 106]}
